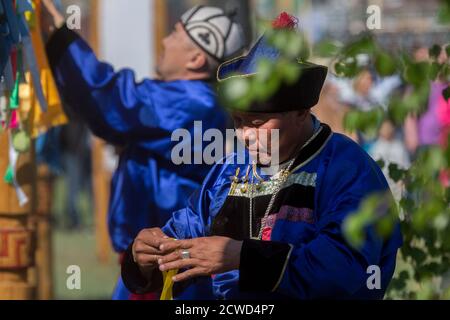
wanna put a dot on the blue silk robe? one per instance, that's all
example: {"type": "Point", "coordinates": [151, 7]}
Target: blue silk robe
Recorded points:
{"type": "Point", "coordinates": [304, 255]}
{"type": "Point", "coordinates": [141, 117]}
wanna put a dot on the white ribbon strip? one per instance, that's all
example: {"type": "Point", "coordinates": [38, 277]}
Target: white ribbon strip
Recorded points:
{"type": "Point", "coordinates": [3, 104]}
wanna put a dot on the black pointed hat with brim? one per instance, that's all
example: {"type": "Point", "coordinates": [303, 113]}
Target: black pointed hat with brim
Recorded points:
{"type": "Point", "coordinates": [301, 94]}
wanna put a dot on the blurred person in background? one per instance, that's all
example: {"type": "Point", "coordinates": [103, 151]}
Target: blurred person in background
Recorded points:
{"type": "Point", "coordinates": [76, 157]}
{"type": "Point", "coordinates": [431, 128]}
{"type": "Point", "coordinates": [444, 119]}
{"type": "Point", "coordinates": [391, 150]}
{"type": "Point", "coordinates": [141, 117]}
{"type": "Point", "coordinates": [420, 54]}
{"type": "Point", "coordinates": [331, 111]}
{"type": "Point", "coordinates": [443, 112]}
{"type": "Point", "coordinates": [427, 128]}
{"type": "Point", "coordinates": [365, 93]}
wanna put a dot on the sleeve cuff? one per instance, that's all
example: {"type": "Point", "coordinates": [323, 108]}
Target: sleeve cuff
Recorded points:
{"type": "Point", "coordinates": [58, 43]}
{"type": "Point", "coordinates": [263, 264]}
{"type": "Point", "coordinates": [134, 280]}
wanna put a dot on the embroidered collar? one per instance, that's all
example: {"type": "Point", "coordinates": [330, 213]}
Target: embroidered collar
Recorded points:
{"type": "Point", "coordinates": [240, 185]}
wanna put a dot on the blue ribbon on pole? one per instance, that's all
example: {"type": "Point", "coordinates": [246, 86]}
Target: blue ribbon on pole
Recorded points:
{"type": "Point", "coordinates": [9, 76]}
{"type": "Point", "coordinates": [5, 43]}
{"type": "Point", "coordinates": [58, 5]}
{"type": "Point", "coordinates": [30, 55]}
{"type": "Point", "coordinates": [11, 20]}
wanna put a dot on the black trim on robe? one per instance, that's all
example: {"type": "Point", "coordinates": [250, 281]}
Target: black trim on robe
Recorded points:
{"type": "Point", "coordinates": [314, 146]}
{"type": "Point", "coordinates": [233, 218]}
{"type": "Point", "coordinates": [262, 265]}
{"type": "Point", "coordinates": [134, 280]}
{"type": "Point", "coordinates": [58, 43]}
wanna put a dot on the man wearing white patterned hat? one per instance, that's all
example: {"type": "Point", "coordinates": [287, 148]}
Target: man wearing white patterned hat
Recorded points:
{"type": "Point", "coordinates": [147, 187]}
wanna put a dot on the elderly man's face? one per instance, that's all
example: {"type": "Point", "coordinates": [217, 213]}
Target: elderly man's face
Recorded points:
{"type": "Point", "coordinates": [255, 130]}
{"type": "Point", "coordinates": [178, 50]}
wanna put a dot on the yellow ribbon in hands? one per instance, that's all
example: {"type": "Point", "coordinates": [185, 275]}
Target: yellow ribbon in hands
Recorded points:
{"type": "Point", "coordinates": [167, 293]}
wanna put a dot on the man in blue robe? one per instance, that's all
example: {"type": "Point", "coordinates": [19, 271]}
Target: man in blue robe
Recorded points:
{"type": "Point", "coordinates": [141, 117]}
{"type": "Point", "coordinates": [261, 235]}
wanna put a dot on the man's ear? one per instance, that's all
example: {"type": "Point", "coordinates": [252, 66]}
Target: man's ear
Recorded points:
{"type": "Point", "coordinates": [302, 115]}
{"type": "Point", "coordinates": [197, 62]}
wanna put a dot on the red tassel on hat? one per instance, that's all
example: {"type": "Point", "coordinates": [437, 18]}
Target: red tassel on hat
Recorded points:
{"type": "Point", "coordinates": [285, 21]}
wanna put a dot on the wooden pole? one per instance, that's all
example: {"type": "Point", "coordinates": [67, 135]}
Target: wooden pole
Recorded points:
{"type": "Point", "coordinates": [41, 275]}
{"type": "Point", "coordinates": [101, 177]}
{"type": "Point", "coordinates": [16, 233]}
{"type": "Point", "coordinates": [160, 25]}
{"type": "Point", "coordinates": [43, 230]}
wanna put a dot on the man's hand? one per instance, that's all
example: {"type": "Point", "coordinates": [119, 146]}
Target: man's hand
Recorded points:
{"type": "Point", "coordinates": [146, 250]}
{"type": "Point", "coordinates": [208, 256]}
{"type": "Point", "coordinates": [56, 17]}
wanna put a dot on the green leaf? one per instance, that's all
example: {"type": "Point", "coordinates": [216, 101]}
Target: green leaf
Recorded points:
{"type": "Point", "coordinates": [426, 292]}
{"type": "Point", "coordinates": [236, 92]}
{"type": "Point", "coordinates": [444, 12]}
{"type": "Point", "coordinates": [434, 160]}
{"type": "Point", "coordinates": [447, 152]}
{"type": "Point", "coordinates": [396, 173]}
{"type": "Point", "coordinates": [296, 47]}
{"type": "Point", "coordinates": [420, 219]}
{"type": "Point", "coordinates": [446, 93]}
{"type": "Point", "coordinates": [347, 68]}
{"type": "Point", "coordinates": [417, 73]}
{"type": "Point", "coordinates": [238, 88]}
{"type": "Point", "coordinates": [441, 222]}
{"type": "Point", "coordinates": [399, 282]}
{"type": "Point", "coordinates": [265, 69]}
{"type": "Point", "coordinates": [407, 204]}
{"type": "Point", "coordinates": [435, 51]}
{"type": "Point", "coordinates": [351, 121]}
{"type": "Point", "coordinates": [381, 163]}
{"type": "Point", "coordinates": [418, 255]}
{"type": "Point", "coordinates": [327, 48]}
{"type": "Point", "coordinates": [280, 39]}
{"type": "Point", "coordinates": [435, 69]}
{"type": "Point", "coordinates": [385, 64]}
{"type": "Point", "coordinates": [446, 295]}
{"type": "Point", "coordinates": [364, 45]}
{"type": "Point", "coordinates": [353, 230]}
{"type": "Point", "coordinates": [385, 226]}
{"type": "Point", "coordinates": [355, 224]}
{"type": "Point", "coordinates": [262, 91]}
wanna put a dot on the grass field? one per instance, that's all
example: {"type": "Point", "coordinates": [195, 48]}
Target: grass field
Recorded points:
{"type": "Point", "coordinates": [78, 248]}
